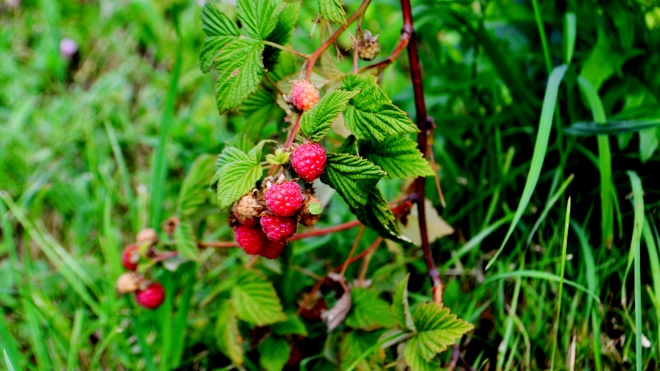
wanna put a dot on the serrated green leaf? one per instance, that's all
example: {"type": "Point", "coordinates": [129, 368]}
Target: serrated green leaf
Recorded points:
{"type": "Point", "coordinates": [256, 300]}
{"type": "Point", "coordinates": [273, 353]}
{"type": "Point", "coordinates": [240, 69]}
{"type": "Point", "coordinates": [332, 10]}
{"type": "Point", "coordinates": [236, 174]}
{"type": "Point", "coordinates": [219, 30]}
{"type": "Point", "coordinates": [414, 359]}
{"type": "Point", "coordinates": [241, 141]}
{"type": "Point", "coordinates": [352, 177]}
{"type": "Point", "coordinates": [259, 109]}
{"type": "Point", "coordinates": [258, 17]}
{"type": "Point", "coordinates": [354, 345]}
{"type": "Point", "coordinates": [195, 188]}
{"type": "Point", "coordinates": [186, 244]}
{"type": "Point", "coordinates": [349, 146]}
{"type": "Point", "coordinates": [437, 328]}
{"type": "Point", "coordinates": [226, 333]}
{"type": "Point", "coordinates": [293, 325]}
{"type": "Point", "coordinates": [368, 312]}
{"type": "Point", "coordinates": [370, 114]}
{"type": "Point", "coordinates": [398, 156]}
{"type": "Point", "coordinates": [316, 122]}
{"type": "Point", "coordinates": [376, 214]}
{"type": "Point", "coordinates": [281, 33]}
{"type": "Point", "coordinates": [401, 307]}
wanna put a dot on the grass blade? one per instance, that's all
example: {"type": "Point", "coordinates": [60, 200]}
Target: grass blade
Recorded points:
{"type": "Point", "coordinates": [160, 157]}
{"type": "Point", "coordinates": [10, 367]}
{"type": "Point", "coordinates": [561, 282]}
{"type": "Point", "coordinates": [654, 261]}
{"type": "Point", "coordinates": [638, 201]}
{"type": "Point", "coordinates": [604, 162]}
{"type": "Point", "coordinates": [540, 149]}
{"type": "Point", "coordinates": [548, 207]}
{"type": "Point", "coordinates": [541, 275]}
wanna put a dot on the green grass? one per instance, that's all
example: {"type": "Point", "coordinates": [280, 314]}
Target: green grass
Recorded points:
{"type": "Point", "coordinates": [93, 151]}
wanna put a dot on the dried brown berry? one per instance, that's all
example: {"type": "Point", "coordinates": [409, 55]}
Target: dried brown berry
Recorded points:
{"type": "Point", "coordinates": [311, 211]}
{"type": "Point", "coordinates": [368, 47]}
{"type": "Point", "coordinates": [247, 210]}
{"type": "Point", "coordinates": [147, 235]}
{"type": "Point", "coordinates": [130, 282]}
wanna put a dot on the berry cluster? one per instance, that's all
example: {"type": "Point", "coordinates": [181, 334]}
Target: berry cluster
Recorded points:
{"type": "Point", "coordinates": [265, 219]}
{"type": "Point", "coordinates": [148, 294]}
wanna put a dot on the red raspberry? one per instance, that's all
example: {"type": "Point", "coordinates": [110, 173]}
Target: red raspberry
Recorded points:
{"type": "Point", "coordinates": [304, 95]}
{"type": "Point", "coordinates": [273, 249]}
{"type": "Point", "coordinates": [151, 297]}
{"type": "Point", "coordinates": [130, 257]}
{"type": "Point", "coordinates": [252, 240]}
{"type": "Point", "coordinates": [308, 161]}
{"type": "Point", "coordinates": [284, 199]}
{"type": "Point", "coordinates": [278, 228]}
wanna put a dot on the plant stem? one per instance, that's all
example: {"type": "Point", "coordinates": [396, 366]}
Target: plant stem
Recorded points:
{"type": "Point", "coordinates": [425, 125]}
{"type": "Point", "coordinates": [324, 231]}
{"type": "Point", "coordinates": [286, 49]}
{"type": "Point", "coordinates": [350, 254]}
{"type": "Point", "coordinates": [318, 52]}
{"type": "Point", "coordinates": [320, 282]}
{"type": "Point", "coordinates": [294, 131]}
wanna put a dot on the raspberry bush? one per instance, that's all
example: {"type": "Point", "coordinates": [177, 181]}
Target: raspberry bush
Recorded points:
{"type": "Point", "coordinates": [341, 137]}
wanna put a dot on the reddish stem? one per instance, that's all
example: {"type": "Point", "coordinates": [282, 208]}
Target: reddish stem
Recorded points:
{"type": "Point", "coordinates": [218, 244]}
{"type": "Point", "coordinates": [425, 125]}
{"type": "Point", "coordinates": [403, 42]}
{"type": "Point", "coordinates": [292, 134]}
{"type": "Point", "coordinates": [320, 282]}
{"type": "Point", "coordinates": [318, 52]}
{"type": "Point", "coordinates": [324, 231]}
{"type": "Point", "coordinates": [350, 254]}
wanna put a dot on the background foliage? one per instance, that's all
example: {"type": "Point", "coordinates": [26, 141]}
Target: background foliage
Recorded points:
{"type": "Point", "coordinates": [96, 147]}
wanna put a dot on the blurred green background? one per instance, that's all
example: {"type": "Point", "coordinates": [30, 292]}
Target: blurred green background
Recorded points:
{"type": "Point", "coordinates": [79, 134]}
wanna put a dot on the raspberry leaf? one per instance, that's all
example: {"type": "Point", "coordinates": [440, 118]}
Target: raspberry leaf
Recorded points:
{"type": "Point", "coordinates": [260, 109]}
{"type": "Point", "coordinates": [273, 353]}
{"type": "Point", "coordinates": [377, 215]}
{"type": "Point", "coordinates": [369, 312]}
{"type": "Point", "coordinates": [241, 141]}
{"type": "Point", "coordinates": [186, 244]}
{"type": "Point", "coordinates": [437, 328]}
{"type": "Point", "coordinates": [259, 17]}
{"type": "Point", "coordinates": [256, 300]}
{"type": "Point", "coordinates": [291, 326]}
{"type": "Point", "coordinates": [354, 345]}
{"type": "Point", "coordinates": [281, 33]}
{"type": "Point", "coordinates": [226, 333]}
{"type": "Point", "coordinates": [316, 122]}
{"type": "Point", "coordinates": [349, 146]}
{"type": "Point", "coordinates": [332, 10]}
{"type": "Point", "coordinates": [398, 156]}
{"type": "Point", "coordinates": [240, 69]}
{"type": "Point", "coordinates": [370, 114]}
{"type": "Point", "coordinates": [352, 177]}
{"type": "Point", "coordinates": [414, 359]}
{"type": "Point", "coordinates": [401, 307]}
{"type": "Point", "coordinates": [219, 30]}
{"type": "Point", "coordinates": [194, 191]}
{"type": "Point", "coordinates": [235, 175]}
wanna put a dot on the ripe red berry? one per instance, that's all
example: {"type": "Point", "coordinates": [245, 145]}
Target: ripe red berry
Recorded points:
{"type": "Point", "coordinates": [304, 95]}
{"type": "Point", "coordinates": [278, 228]}
{"type": "Point", "coordinates": [273, 249]}
{"type": "Point", "coordinates": [284, 199]}
{"type": "Point", "coordinates": [252, 240]}
{"type": "Point", "coordinates": [151, 297]}
{"type": "Point", "coordinates": [308, 161]}
{"type": "Point", "coordinates": [130, 257]}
